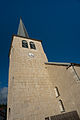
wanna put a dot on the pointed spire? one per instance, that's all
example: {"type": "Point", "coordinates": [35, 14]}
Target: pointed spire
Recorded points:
{"type": "Point", "coordinates": [22, 30]}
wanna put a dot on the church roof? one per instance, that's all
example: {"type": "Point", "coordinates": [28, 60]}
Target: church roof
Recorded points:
{"type": "Point", "coordinates": [22, 30]}
{"type": "Point", "coordinates": [62, 64]}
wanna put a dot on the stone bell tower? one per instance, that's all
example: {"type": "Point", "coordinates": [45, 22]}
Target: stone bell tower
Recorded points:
{"type": "Point", "coordinates": [38, 89]}
{"type": "Point", "coordinates": [27, 86]}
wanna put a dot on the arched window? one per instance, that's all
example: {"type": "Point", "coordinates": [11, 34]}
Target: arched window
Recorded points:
{"type": "Point", "coordinates": [56, 92]}
{"type": "Point", "coordinates": [32, 45]}
{"type": "Point", "coordinates": [61, 106]}
{"type": "Point", "coordinates": [24, 44]}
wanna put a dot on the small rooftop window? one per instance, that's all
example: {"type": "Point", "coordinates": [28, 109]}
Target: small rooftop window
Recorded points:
{"type": "Point", "coordinates": [24, 44]}
{"type": "Point", "coordinates": [32, 45]}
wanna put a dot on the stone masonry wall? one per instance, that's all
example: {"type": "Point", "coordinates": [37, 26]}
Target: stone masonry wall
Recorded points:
{"type": "Point", "coordinates": [31, 94]}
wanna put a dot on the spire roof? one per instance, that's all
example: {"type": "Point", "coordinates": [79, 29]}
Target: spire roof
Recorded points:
{"type": "Point", "coordinates": [22, 30]}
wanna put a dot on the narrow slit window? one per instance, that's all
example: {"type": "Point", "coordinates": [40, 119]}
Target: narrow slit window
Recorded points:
{"type": "Point", "coordinates": [56, 92]}
{"type": "Point", "coordinates": [61, 106]}
{"type": "Point", "coordinates": [32, 45]}
{"type": "Point", "coordinates": [9, 110]}
{"type": "Point", "coordinates": [24, 44]}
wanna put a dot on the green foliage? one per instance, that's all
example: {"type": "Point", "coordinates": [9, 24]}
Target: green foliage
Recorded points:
{"type": "Point", "coordinates": [3, 106]}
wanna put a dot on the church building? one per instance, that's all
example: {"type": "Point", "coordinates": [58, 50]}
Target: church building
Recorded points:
{"type": "Point", "coordinates": [38, 89]}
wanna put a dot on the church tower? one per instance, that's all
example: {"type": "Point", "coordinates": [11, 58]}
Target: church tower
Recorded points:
{"type": "Point", "coordinates": [27, 84]}
{"type": "Point", "coordinates": [38, 89]}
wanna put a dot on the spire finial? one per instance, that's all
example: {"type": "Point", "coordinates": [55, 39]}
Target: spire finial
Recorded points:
{"type": "Point", "coordinates": [22, 30]}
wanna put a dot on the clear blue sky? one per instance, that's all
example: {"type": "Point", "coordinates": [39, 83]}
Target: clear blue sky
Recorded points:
{"type": "Point", "coordinates": [55, 22]}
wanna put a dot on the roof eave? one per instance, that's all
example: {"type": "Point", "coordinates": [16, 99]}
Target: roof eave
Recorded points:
{"type": "Point", "coordinates": [62, 64]}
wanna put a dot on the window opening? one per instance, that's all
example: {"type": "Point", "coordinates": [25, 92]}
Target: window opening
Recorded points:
{"type": "Point", "coordinates": [61, 106]}
{"type": "Point", "coordinates": [24, 44]}
{"type": "Point", "coordinates": [32, 45]}
{"type": "Point", "coordinates": [56, 92]}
